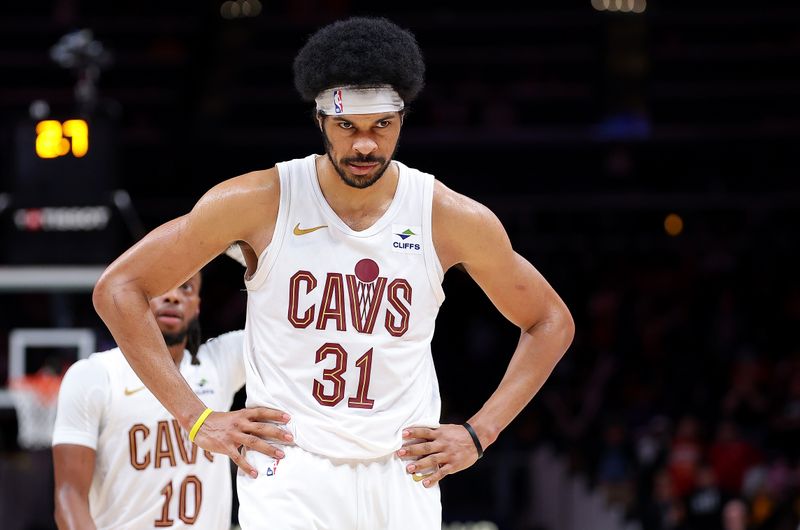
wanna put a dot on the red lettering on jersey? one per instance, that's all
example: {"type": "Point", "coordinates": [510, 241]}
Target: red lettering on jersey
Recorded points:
{"type": "Point", "coordinates": [365, 300]}
{"type": "Point", "coordinates": [334, 375]}
{"type": "Point", "coordinates": [360, 400]}
{"type": "Point", "coordinates": [294, 298]}
{"type": "Point", "coordinates": [164, 447]}
{"type": "Point", "coordinates": [133, 447]}
{"type": "Point", "coordinates": [365, 295]}
{"type": "Point", "coordinates": [332, 306]}
{"type": "Point", "coordinates": [181, 442]}
{"type": "Point", "coordinates": [197, 486]}
{"type": "Point", "coordinates": [193, 455]}
{"type": "Point", "coordinates": [398, 329]}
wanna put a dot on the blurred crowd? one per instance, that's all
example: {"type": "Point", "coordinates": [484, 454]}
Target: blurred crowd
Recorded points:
{"type": "Point", "coordinates": [681, 398]}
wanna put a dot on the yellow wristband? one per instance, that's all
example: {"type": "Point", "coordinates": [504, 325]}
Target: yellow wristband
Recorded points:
{"type": "Point", "coordinates": [198, 424]}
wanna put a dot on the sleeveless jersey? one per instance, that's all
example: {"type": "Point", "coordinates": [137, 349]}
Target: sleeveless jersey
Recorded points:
{"type": "Point", "coordinates": [147, 472]}
{"type": "Point", "coordinates": [339, 322]}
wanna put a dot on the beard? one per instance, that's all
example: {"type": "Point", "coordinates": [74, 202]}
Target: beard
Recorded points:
{"type": "Point", "coordinates": [180, 336]}
{"type": "Point", "coordinates": [357, 181]}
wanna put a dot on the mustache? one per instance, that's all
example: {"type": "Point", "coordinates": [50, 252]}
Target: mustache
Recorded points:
{"type": "Point", "coordinates": [367, 159]}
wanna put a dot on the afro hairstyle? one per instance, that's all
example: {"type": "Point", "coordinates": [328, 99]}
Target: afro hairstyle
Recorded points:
{"type": "Point", "coordinates": [362, 51]}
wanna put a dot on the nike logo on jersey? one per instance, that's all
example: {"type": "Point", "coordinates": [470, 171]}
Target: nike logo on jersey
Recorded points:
{"type": "Point", "coordinates": [303, 231]}
{"type": "Point", "coordinates": [129, 392]}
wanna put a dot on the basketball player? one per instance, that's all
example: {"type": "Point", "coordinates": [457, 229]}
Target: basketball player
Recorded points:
{"type": "Point", "coordinates": [346, 252]}
{"type": "Point", "coordinates": [121, 460]}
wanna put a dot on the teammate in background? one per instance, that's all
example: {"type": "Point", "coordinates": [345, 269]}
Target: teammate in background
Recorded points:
{"type": "Point", "coordinates": [121, 460]}
{"type": "Point", "coordinates": [346, 252]}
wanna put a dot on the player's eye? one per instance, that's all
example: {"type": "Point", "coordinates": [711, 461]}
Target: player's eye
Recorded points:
{"type": "Point", "coordinates": [383, 124]}
{"type": "Point", "coordinates": [345, 125]}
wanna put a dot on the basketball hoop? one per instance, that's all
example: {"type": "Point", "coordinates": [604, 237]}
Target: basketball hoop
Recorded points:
{"type": "Point", "coordinates": [35, 399]}
{"type": "Point", "coordinates": [366, 272]}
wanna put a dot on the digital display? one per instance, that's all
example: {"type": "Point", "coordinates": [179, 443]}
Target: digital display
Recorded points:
{"type": "Point", "coordinates": [60, 208]}
{"type": "Point", "coordinates": [54, 138]}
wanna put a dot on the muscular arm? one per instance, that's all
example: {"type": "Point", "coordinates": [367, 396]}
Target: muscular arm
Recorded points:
{"type": "Point", "coordinates": [74, 467]}
{"type": "Point", "coordinates": [241, 210]}
{"type": "Point", "coordinates": [522, 295]}
{"type": "Point", "coordinates": [469, 234]}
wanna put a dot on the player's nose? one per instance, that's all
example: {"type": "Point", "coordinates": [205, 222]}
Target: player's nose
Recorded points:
{"type": "Point", "coordinates": [172, 296]}
{"type": "Point", "coordinates": [364, 145]}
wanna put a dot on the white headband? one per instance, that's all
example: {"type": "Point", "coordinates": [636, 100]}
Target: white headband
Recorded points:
{"type": "Point", "coordinates": [359, 100]}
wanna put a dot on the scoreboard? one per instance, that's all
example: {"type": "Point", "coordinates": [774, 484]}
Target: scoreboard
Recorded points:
{"type": "Point", "coordinates": [59, 207]}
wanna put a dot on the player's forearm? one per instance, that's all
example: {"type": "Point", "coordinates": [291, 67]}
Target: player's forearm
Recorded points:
{"type": "Point", "coordinates": [538, 351]}
{"type": "Point", "coordinates": [126, 312]}
{"type": "Point", "coordinates": [72, 510]}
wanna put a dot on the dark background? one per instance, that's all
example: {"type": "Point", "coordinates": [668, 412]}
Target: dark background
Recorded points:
{"type": "Point", "coordinates": [582, 129]}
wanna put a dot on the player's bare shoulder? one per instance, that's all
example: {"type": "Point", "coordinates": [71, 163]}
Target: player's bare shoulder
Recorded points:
{"type": "Point", "coordinates": [462, 226]}
{"type": "Point", "coordinates": [249, 202]}
{"type": "Point", "coordinates": [257, 188]}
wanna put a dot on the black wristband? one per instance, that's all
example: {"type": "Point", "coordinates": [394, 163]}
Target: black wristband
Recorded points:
{"type": "Point", "coordinates": [474, 437]}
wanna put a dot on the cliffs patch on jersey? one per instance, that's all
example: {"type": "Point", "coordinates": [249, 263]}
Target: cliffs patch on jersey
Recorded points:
{"type": "Point", "coordinates": [362, 294]}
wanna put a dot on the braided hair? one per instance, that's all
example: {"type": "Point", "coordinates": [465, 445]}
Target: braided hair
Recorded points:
{"type": "Point", "coordinates": [194, 337]}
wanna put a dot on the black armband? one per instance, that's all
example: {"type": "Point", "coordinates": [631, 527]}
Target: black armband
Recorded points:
{"type": "Point", "coordinates": [474, 437]}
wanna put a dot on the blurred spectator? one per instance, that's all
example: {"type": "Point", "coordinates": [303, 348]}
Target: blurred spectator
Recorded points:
{"type": "Point", "coordinates": [665, 510]}
{"type": "Point", "coordinates": [686, 453]}
{"type": "Point", "coordinates": [772, 489]}
{"type": "Point", "coordinates": [652, 444]}
{"type": "Point", "coordinates": [780, 477]}
{"type": "Point", "coordinates": [615, 467]}
{"type": "Point", "coordinates": [705, 502]}
{"type": "Point", "coordinates": [785, 421]}
{"type": "Point", "coordinates": [744, 401]}
{"type": "Point", "coordinates": [652, 449]}
{"type": "Point", "coordinates": [734, 515]}
{"type": "Point", "coordinates": [731, 456]}
{"type": "Point", "coordinates": [762, 499]}
{"type": "Point", "coordinates": [575, 412]}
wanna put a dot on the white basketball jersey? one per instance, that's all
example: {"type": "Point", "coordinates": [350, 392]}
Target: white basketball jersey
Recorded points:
{"type": "Point", "coordinates": [147, 472]}
{"type": "Point", "coordinates": [339, 322]}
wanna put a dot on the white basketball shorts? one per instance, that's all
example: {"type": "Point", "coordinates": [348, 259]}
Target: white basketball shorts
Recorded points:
{"type": "Point", "coordinates": [305, 491]}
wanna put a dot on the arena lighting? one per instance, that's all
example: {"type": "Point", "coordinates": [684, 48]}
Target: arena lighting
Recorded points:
{"type": "Point", "coordinates": [673, 224]}
{"type": "Point", "coordinates": [86, 57]}
{"type": "Point", "coordinates": [624, 6]}
{"type": "Point", "coordinates": [240, 9]}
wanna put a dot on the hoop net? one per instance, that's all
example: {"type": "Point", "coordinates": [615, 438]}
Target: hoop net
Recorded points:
{"type": "Point", "coordinates": [365, 291]}
{"type": "Point", "coordinates": [35, 399]}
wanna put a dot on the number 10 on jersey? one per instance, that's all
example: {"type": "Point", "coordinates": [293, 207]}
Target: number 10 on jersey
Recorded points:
{"type": "Point", "coordinates": [335, 376]}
